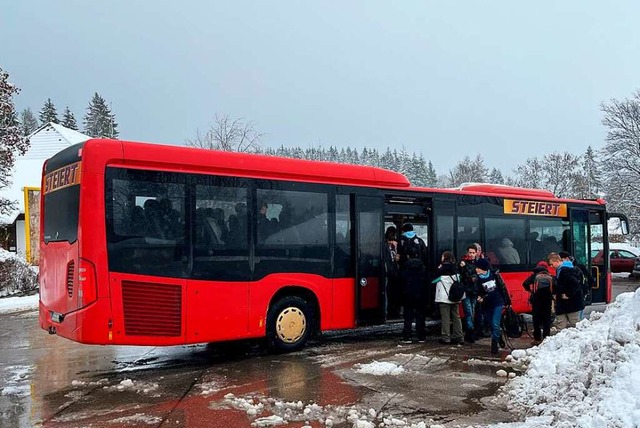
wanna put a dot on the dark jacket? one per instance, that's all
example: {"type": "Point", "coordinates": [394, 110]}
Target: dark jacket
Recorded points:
{"type": "Point", "coordinates": [493, 297]}
{"type": "Point", "coordinates": [412, 275]}
{"type": "Point", "coordinates": [446, 269]}
{"type": "Point", "coordinates": [404, 245]}
{"type": "Point", "coordinates": [544, 295]}
{"type": "Point", "coordinates": [468, 277]}
{"type": "Point", "coordinates": [569, 284]}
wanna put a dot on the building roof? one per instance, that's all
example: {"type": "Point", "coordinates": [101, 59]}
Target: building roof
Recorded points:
{"type": "Point", "coordinates": [46, 141]}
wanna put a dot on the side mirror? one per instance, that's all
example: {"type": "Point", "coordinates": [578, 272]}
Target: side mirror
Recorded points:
{"type": "Point", "coordinates": [623, 222]}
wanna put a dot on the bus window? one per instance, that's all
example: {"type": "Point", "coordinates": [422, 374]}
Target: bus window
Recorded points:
{"type": "Point", "coordinates": [505, 241]}
{"type": "Point", "coordinates": [296, 237]}
{"type": "Point", "coordinates": [343, 261]}
{"type": "Point", "coordinates": [221, 246]}
{"type": "Point", "coordinates": [545, 236]}
{"type": "Point", "coordinates": [468, 233]}
{"type": "Point", "coordinates": [149, 238]}
{"type": "Point", "coordinates": [444, 234]}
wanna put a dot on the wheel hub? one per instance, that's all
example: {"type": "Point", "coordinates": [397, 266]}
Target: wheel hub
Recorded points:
{"type": "Point", "coordinates": [291, 324]}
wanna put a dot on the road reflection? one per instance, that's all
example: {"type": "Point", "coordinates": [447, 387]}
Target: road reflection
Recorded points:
{"type": "Point", "coordinates": [79, 385]}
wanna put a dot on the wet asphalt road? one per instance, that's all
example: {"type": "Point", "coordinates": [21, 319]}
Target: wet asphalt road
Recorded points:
{"type": "Point", "coordinates": [49, 381]}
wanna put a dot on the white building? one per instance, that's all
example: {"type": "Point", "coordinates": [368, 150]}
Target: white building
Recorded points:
{"type": "Point", "coordinates": [46, 141]}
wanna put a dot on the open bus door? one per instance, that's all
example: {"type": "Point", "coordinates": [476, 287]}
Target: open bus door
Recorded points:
{"type": "Point", "coordinates": [370, 278]}
{"type": "Point", "coordinates": [582, 232]}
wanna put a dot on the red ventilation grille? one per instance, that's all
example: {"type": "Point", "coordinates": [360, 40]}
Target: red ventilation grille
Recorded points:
{"type": "Point", "coordinates": [70, 269]}
{"type": "Point", "coordinates": [152, 309]}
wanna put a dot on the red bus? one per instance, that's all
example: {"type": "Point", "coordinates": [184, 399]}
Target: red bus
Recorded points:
{"type": "Point", "coordinates": [147, 244]}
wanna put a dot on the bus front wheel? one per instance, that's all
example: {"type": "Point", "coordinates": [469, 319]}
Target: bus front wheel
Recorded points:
{"type": "Point", "coordinates": [289, 324]}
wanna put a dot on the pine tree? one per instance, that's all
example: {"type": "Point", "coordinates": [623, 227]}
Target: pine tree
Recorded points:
{"type": "Point", "coordinates": [12, 142]}
{"type": "Point", "coordinates": [495, 177]}
{"type": "Point", "coordinates": [28, 122]}
{"type": "Point", "coordinates": [592, 174]}
{"type": "Point", "coordinates": [69, 120]}
{"type": "Point", "coordinates": [48, 112]}
{"type": "Point", "coordinates": [432, 177]}
{"type": "Point", "coordinates": [98, 120]}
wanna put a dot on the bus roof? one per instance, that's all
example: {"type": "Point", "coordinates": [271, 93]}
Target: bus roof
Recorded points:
{"type": "Point", "coordinates": [188, 159]}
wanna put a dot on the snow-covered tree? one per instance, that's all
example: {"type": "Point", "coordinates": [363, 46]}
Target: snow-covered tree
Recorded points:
{"type": "Point", "coordinates": [69, 120]}
{"type": "Point", "coordinates": [12, 143]}
{"type": "Point", "coordinates": [588, 182]}
{"type": "Point", "coordinates": [622, 156]}
{"type": "Point", "coordinates": [231, 135]}
{"type": "Point", "coordinates": [28, 121]}
{"type": "Point", "coordinates": [495, 177]}
{"type": "Point", "coordinates": [48, 112]}
{"type": "Point", "coordinates": [431, 176]}
{"type": "Point", "coordinates": [98, 120]}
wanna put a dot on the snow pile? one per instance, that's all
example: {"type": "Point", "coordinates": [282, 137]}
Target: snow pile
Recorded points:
{"type": "Point", "coordinates": [136, 386]}
{"type": "Point", "coordinates": [17, 304]}
{"type": "Point", "coordinates": [137, 418]}
{"type": "Point", "coordinates": [16, 275]}
{"type": "Point", "coordinates": [584, 376]}
{"type": "Point", "coordinates": [269, 411]}
{"type": "Point", "coordinates": [380, 368]}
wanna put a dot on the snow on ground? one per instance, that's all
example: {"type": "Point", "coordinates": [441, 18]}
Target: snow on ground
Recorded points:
{"type": "Point", "coordinates": [378, 368]}
{"type": "Point", "coordinates": [585, 376]}
{"type": "Point", "coordinates": [588, 376]}
{"type": "Point", "coordinates": [17, 304]}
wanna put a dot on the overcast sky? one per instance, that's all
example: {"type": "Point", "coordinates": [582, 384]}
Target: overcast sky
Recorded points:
{"type": "Point", "coordinates": [505, 79]}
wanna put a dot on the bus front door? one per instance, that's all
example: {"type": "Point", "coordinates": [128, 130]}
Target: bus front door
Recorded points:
{"type": "Point", "coordinates": [370, 284]}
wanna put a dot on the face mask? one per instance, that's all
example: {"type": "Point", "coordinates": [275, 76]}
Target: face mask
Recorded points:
{"type": "Point", "coordinates": [484, 275]}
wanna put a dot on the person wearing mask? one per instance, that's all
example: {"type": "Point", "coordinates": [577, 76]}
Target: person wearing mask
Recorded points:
{"type": "Point", "coordinates": [451, 326]}
{"type": "Point", "coordinates": [493, 295]}
{"type": "Point", "coordinates": [468, 279]}
{"type": "Point", "coordinates": [569, 295]}
{"type": "Point", "coordinates": [414, 294]}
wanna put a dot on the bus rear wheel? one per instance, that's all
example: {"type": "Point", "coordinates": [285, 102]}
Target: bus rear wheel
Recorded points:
{"type": "Point", "coordinates": [289, 324]}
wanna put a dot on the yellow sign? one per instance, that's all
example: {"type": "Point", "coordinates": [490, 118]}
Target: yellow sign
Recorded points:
{"type": "Point", "coordinates": [63, 177]}
{"type": "Point", "coordinates": [517, 206]}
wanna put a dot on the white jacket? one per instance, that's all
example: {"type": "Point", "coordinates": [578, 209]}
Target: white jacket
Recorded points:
{"type": "Point", "coordinates": [442, 289]}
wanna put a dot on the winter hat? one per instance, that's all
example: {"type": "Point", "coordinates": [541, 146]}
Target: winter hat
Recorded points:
{"type": "Point", "coordinates": [483, 264]}
{"type": "Point", "coordinates": [543, 264]}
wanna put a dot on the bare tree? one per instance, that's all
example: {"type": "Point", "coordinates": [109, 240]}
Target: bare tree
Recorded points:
{"type": "Point", "coordinates": [561, 173]}
{"type": "Point", "coordinates": [622, 156]}
{"type": "Point", "coordinates": [530, 174]}
{"type": "Point", "coordinates": [468, 171]}
{"type": "Point", "coordinates": [231, 135]}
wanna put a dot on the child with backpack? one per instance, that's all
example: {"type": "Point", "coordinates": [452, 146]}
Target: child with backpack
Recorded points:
{"type": "Point", "coordinates": [541, 284]}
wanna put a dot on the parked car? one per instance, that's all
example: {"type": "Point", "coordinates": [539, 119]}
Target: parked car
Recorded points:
{"type": "Point", "coordinates": [636, 269]}
{"type": "Point", "coordinates": [621, 261]}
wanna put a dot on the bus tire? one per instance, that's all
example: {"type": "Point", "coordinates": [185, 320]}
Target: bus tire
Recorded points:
{"type": "Point", "coordinates": [289, 324]}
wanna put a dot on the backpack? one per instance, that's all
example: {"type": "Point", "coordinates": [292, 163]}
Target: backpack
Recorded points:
{"type": "Point", "coordinates": [415, 242]}
{"type": "Point", "coordinates": [456, 291]}
{"type": "Point", "coordinates": [541, 281]}
{"type": "Point", "coordinates": [585, 281]}
{"type": "Point", "coordinates": [511, 323]}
